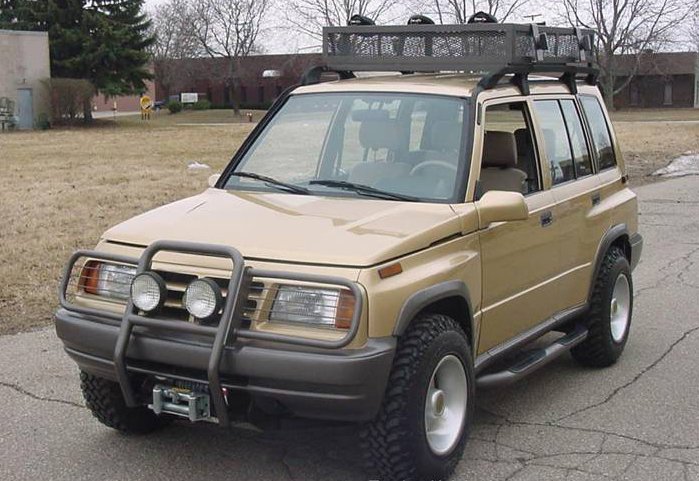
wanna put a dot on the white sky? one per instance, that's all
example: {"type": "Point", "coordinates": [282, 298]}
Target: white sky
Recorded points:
{"type": "Point", "coordinates": [279, 38]}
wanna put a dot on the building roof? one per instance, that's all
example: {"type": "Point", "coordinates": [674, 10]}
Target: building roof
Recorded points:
{"type": "Point", "coordinates": [23, 32]}
{"type": "Point", "coordinates": [660, 63]}
{"type": "Point", "coordinates": [247, 68]}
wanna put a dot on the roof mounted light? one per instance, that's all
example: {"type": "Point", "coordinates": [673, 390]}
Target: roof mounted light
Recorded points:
{"type": "Point", "coordinates": [482, 17]}
{"type": "Point", "coordinates": [420, 20]}
{"type": "Point", "coordinates": [360, 20]}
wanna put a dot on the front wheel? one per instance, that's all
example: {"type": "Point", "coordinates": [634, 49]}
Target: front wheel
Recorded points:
{"type": "Point", "coordinates": [422, 427]}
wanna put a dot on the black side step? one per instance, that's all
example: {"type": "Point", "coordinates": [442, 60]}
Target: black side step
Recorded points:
{"type": "Point", "coordinates": [534, 360]}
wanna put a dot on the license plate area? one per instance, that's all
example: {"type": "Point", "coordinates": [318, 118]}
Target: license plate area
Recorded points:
{"type": "Point", "coordinates": [185, 403]}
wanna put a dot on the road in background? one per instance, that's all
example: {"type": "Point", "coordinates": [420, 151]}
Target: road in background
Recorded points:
{"type": "Point", "coordinates": [638, 420]}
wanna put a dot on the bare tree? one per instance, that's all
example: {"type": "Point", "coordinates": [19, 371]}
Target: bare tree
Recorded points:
{"type": "Point", "coordinates": [176, 43]}
{"type": "Point", "coordinates": [229, 29]}
{"type": "Point", "coordinates": [310, 16]}
{"type": "Point", "coordinates": [629, 28]}
{"type": "Point", "coordinates": [694, 31]}
{"type": "Point", "coordinates": [459, 11]}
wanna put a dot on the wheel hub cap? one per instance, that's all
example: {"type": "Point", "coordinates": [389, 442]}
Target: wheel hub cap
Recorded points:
{"type": "Point", "coordinates": [438, 403]}
{"type": "Point", "coordinates": [445, 405]}
{"type": "Point", "coordinates": [620, 308]}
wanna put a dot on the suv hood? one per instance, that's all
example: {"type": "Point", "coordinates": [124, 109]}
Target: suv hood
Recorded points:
{"type": "Point", "coordinates": [295, 228]}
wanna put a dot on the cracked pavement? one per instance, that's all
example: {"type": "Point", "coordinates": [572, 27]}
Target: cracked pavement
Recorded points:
{"type": "Point", "coordinates": [638, 420]}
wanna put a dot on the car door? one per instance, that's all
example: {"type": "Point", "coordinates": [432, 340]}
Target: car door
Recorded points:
{"type": "Point", "coordinates": [520, 260]}
{"type": "Point", "coordinates": [581, 218]}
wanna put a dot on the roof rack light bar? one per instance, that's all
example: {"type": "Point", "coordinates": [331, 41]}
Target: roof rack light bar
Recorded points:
{"type": "Point", "coordinates": [491, 48]}
{"type": "Point", "coordinates": [471, 47]}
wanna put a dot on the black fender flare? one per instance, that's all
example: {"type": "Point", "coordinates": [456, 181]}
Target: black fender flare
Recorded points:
{"type": "Point", "coordinates": [429, 295]}
{"type": "Point", "coordinates": [609, 237]}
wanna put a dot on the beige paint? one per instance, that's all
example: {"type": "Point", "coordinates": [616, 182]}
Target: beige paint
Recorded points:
{"type": "Point", "coordinates": [518, 272]}
{"type": "Point", "coordinates": [497, 206]}
{"type": "Point", "coordinates": [24, 63]}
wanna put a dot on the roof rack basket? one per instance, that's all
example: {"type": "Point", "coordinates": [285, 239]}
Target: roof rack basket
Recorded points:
{"type": "Point", "coordinates": [493, 49]}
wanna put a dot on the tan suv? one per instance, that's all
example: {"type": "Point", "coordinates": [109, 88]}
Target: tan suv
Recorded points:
{"type": "Point", "coordinates": [377, 249]}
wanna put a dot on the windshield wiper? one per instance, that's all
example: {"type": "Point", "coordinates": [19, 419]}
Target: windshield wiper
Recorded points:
{"type": "Point", "coordinates": [364, 190]}
{"type": "Point", "coordinates": [296, 189]}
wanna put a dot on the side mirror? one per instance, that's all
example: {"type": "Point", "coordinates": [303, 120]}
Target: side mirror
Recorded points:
{"type": "Point", "coordinates": [213, 178]}
{"type": "Point", "coordinates": [501, 206]}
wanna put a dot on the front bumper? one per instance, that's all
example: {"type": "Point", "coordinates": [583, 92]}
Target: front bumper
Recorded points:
{"type": "Point", "coordinates": [341, 384]}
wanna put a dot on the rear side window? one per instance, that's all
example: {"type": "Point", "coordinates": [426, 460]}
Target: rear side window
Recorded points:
{"type": "Point", "coordinates": [556, 143]}
{"type": "Point", "coordinates": [581, 156]}
{"type": "Point", "coordinates": [601, 138]}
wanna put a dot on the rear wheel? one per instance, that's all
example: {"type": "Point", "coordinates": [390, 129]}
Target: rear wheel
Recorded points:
{"type": "Point", "coordinates": [105, 400]}
{"type": "Point", "coordinates": [611, 308]}
{"type": "Point", "coordinates": [422, 427]}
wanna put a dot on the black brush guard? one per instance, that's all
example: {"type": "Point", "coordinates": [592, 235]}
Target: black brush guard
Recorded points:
{"type": "Point", "coordinates": [229, 328]}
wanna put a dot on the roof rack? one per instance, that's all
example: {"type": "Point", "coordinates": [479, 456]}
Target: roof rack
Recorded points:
{"type": "Point", "coordinates": [494, 49]}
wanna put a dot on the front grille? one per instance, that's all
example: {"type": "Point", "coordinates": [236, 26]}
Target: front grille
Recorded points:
{"type": "Point", "coordinates": [177, 283]}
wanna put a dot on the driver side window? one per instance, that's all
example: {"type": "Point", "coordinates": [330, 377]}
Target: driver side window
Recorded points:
{"type": "Point", "coordinates": [509, 160]}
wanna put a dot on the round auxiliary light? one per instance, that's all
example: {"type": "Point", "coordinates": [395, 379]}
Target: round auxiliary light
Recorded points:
{"type": "Point", "coordinates": [203, 298]}
{"type": "Point", "coordinates": [148, 291]}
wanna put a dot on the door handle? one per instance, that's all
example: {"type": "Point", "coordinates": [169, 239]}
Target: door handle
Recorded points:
{"type": "Point", "coordinates": [596, 198]}
{"type": "Point", "coordinates": [546, 218]}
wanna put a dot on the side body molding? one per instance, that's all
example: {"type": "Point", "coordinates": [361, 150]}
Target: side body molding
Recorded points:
{"type": "Point", "coordinates": [423, 298]}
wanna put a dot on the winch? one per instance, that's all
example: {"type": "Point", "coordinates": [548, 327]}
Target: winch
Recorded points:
{"type": "Point", "coordinates": [195, 406]}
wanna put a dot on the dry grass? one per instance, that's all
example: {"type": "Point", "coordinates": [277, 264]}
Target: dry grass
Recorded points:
{"type": "Point", "coordinates": [61, 189]}
{"type": "Point", "coordinates": [650, 146]}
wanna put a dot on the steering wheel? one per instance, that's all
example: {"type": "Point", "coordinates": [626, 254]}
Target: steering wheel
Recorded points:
{"type": "Point", "coordinates": [433, 163]}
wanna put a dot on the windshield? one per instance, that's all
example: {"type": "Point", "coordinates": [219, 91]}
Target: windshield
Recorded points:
{"type": "Point", "coordinates": [390, 146]}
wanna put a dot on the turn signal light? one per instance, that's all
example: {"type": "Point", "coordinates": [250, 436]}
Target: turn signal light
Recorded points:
{"type": "Point", "coordinates": [390, 270]}
{"type": "Point", "coordinates": [345, 310]}
{"type": "Point", "coordinates": [89, 277]}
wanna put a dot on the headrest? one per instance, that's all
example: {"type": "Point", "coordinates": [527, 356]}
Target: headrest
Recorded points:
{"type": "Point", "coordinates": [524, 141]}
{"type": "Point", "coordinates": [445, 136]}
{"type": "Point", "coordinates": [499, 150]}
{"type": "Point", "coordinates": [379, 134]}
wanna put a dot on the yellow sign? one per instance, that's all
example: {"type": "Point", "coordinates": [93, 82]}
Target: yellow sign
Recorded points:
{"type": "Point", "coordinates": [146, 107]}
{"type": "Point", "coordinates": [146, 102]}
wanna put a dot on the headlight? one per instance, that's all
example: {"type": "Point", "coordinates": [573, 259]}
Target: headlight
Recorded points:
{"type": "Point", "coordinates": [203, 298]}
{"type": "Point", "coordinates": [314, 306]}
{"type": "Point", "coordinates": [148, 291]}
{"type": "Point", "coordinates": [107, 280]}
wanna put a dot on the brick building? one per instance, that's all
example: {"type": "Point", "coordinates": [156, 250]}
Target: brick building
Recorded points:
{"type": "Point", "coordinates": [210, 78]}
{"type": "Point", "coordinates": [663, 80]}
{"type": "Point", "coordinates": [124, 103]}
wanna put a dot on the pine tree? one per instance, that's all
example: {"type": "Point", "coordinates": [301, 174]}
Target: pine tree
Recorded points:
{"type": "Point", "coordinates": [103, 41]}
{"type": "Point", "coordinates": [119, 53]}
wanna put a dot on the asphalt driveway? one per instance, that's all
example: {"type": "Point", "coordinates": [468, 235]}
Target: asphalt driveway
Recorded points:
{"type": "Point", "coordinates": [638, 420]}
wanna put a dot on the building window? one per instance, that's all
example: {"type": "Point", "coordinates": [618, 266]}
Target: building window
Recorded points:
{"type": "Point", "coordinates": [243, 94]}
{"type": "Point", "coordinates": [261, 94]}
{"type": "Point", "coordinates": [667, 97]}
{"type": "Point", "coordinates": [635, 94]}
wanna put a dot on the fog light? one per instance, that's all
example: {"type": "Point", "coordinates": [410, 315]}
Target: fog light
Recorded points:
{"type": "Point", "coordinates": [148, 291]}
{"type": "Point", "coordinates": [203, 298]}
